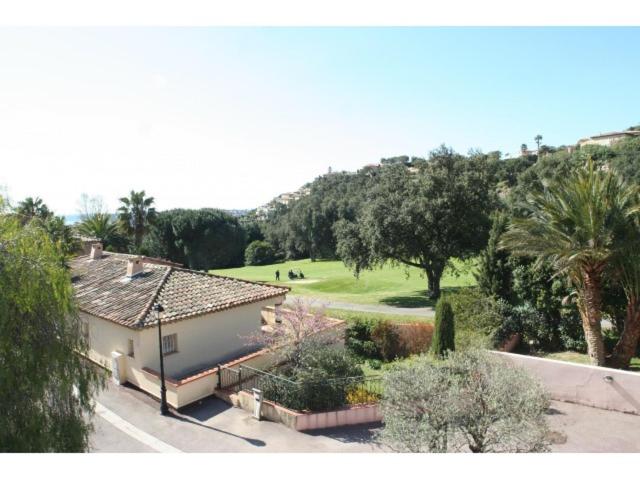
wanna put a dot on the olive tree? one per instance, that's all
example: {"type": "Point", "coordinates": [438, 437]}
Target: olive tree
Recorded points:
{"type": "Point", "coordinates": [496, 406]}
{"type": "Point", "coordinates": [473, 401]}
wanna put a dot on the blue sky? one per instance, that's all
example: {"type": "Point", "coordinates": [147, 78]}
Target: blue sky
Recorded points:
{"type": "Point", "coordinates": [230, 117]}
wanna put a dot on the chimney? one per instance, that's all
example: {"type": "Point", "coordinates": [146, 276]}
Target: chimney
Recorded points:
{"type": "Point", "coordinates": [96, 251]}
{"type": "Point", "coordinates": [134, 266]}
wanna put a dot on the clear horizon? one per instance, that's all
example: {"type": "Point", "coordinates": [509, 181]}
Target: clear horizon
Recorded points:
{"type": "Point", "coordinates": [231, 117]}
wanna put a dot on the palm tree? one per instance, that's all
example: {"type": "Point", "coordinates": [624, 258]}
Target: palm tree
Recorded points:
{"type": "Point", "coordinates": [538, 139]}
{"type": "Point", "coordinates": [99, 225]}
{"type": "Point", "coordinates": [32, 207]}
{"type": "Point", "coordinates": [136, 215]}
{"type": "Point", "coordinates": [579, 224]}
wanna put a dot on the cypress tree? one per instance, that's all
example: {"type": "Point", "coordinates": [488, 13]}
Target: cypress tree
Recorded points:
{"type": "Point", "coordinates": [444, 331]}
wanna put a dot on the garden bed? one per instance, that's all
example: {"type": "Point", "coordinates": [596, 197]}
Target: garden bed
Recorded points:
{"type": "Point", "coordinates": [350, 415]}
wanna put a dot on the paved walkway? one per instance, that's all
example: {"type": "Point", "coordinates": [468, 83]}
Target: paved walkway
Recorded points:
{"type": "Point", "coordinates": [359, 307]}
{"type": "Point", "coordinates": [207, 426]}
{"type": "Point", "coordinates": [132, 423]}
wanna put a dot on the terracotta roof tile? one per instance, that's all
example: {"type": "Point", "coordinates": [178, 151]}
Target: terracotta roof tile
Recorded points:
{"type": "Point", "coordinates": [103, 290]}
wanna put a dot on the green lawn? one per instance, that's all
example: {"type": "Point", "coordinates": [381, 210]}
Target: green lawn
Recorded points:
{"type": "Point", "coordinates": [352, 316]}
{"type": "Point", "coordinates": [333, 281]}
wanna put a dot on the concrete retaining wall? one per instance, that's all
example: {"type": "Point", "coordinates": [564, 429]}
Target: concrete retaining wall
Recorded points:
{"type": "Point", "coordinates": [599, 387]}
{"type": "Point", "coordinates": [300, 421]}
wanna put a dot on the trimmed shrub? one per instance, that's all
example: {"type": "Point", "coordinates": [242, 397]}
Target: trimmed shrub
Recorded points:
{"type": "Point", "coordinates": [414, 338]}
{"type": "Point", "coordinates": [259, 252]}
{"type": "Point", "coordinates": [383, 340]}
{"type": "Point", "coordinates": [387, 340]}
{"type": "Point", "coordinates": [444, 330]}
{"type": "Point", "coordinates": [358, 339]}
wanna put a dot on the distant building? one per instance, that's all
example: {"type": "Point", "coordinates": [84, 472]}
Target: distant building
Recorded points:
{"type": "Point", "coordinates": [608, 139]}
{"type": "Point", "coordinates": [282, 199]}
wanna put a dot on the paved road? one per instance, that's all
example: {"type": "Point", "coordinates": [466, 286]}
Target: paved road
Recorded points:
{"type": "Point", "coordinates": [358, 307]}
{"type": "Point", "coordinates": [132, 424]}
{"type": "Point", "coordinates": [210, 426]}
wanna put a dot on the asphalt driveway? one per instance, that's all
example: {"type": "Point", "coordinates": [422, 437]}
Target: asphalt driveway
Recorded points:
{"type": "Point", "coordinates": [128, 420]}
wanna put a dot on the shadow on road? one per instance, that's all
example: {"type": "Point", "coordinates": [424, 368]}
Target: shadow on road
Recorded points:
{"type": "Point", "coordinates": [419, 299]}
{"type": "Point", "coordinates": [253, 441]}
{"type": "Point", "coordinates": [364, 433]}
{"type": "Point", "coordinates": [205, 409]}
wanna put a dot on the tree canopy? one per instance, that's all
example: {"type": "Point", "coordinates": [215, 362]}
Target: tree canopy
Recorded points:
{"type": "Point", "coordinates": [579, 224]}
{"type": "Point", "coordinates": [47, 388]}
{"type": "Point", "coordinates": [199, 239]}
{"type": "Point", "coordinates": [422, 219]}
{"type": "Point", "coordinates": [136, 216]}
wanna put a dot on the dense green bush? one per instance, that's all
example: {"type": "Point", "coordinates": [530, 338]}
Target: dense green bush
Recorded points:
{"type": "Point", "coordinates": [259, 252]}
{"type": "Point", "coordinates": [484, 320]}
{"type": "Point", "coordinates": [322, 380]}
{"type": "Point", "coordinates": [571, 333]}
{"type": "Point", "coordinates": [386, 341]}
{"type": "Point", "coordinates": [444, 332]}
{"type": "Point", "coordinates": [358, 339]}
{"type": "Point", "coordinates": [475, 312]}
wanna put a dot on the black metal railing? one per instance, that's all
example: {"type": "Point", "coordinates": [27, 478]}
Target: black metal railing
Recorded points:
{"type": "Point", "coordinates": [307, 394]}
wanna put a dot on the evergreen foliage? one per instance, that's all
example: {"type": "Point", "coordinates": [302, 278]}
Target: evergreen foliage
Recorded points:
{"type": "Point", "coordinates": [494, 271]}
{"type": "Point", "coordinates": [259, 252]}
{"type": "Point", "coordinates": [444, 332]}
{"type": "Point", "coordinates": [199, 239]}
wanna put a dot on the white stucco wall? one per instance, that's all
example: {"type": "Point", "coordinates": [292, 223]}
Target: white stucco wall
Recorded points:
{"type": "Point", "coordinates": [106, 337]}
{"type": "Point", "coordinates": [204, 340]}
{"type": "Point", "coordinates": [599, 387]}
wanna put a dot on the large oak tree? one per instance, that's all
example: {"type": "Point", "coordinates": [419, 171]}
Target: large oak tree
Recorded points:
{"type": "Point", "coordinates": [421, 218]}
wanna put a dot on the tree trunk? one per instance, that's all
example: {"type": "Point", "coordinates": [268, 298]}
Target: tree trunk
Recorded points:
{"type": "Point", "coordinates": [434, 274]}
{"type": "Point", "coordinates": [590, 306]}
{"type": "Point", "coordinates": [628, 343]}
{"type": "Point", "coordinates": [137, 240]}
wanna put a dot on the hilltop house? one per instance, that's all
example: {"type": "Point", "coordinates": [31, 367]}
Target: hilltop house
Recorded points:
{"type": "Point", "coordinates": [205, 321]}
{"type": "Point", "coordinates": [608, 139]}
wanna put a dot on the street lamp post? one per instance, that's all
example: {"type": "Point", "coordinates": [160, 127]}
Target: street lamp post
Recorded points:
{"type": "Point", "coordinates": [164, 409]}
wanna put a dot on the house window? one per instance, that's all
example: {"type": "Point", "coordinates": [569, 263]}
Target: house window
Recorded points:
{"type": "Point", "coordinates": [169, 344]}
{"type": "Point", "coordinates": [131, 352]}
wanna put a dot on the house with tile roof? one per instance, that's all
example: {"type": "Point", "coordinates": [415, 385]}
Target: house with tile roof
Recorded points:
{"type": "Point", "coordinates": [608, 139]}
{"type": "Point", "coordinates": [205, 320]}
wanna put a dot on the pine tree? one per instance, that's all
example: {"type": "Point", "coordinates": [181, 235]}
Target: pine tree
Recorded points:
{"type": "Point", "coordinates": [494, 271]}
{"type": "Point", "coordinates": [444, 331]}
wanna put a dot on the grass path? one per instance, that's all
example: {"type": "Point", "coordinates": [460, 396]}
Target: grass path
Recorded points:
{"type": "Point", "coordinates": [331, 280]}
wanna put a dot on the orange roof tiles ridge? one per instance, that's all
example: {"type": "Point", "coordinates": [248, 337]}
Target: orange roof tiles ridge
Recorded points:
{"type": "Point", "coordinates": [151, 301]}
